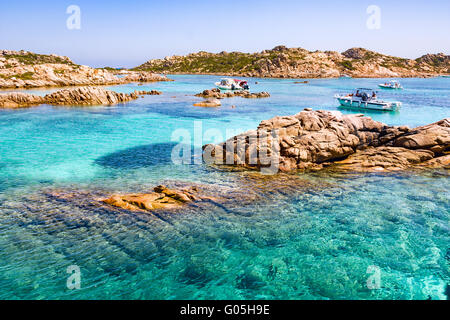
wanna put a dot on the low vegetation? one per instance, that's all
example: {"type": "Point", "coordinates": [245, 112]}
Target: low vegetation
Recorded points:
{"type": "Point", "coordinates": [23, 76]}
{"type": "Point", "coordinates": [347, 65]}
{"type": "Point", "coordinates": [30, 58]}
{"type": "Point", "coordinates": [282, 62]}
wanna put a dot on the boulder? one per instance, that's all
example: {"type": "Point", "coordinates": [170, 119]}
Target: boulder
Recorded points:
{"type": "Point", "coordinates": [317, 139]}
{"type": "Point", "coordinates": [384, 159]}
{"type": "Point", "coordinates": [208, 103]}
{"type": "Point", "coordinates": [161, 198]}
{"type": "Point", "coordinates": [434, 136]}
{"type": "Point", "coordinates": [217, 94]}
{"type": "Point", "coordinates": [148, 93]}
{"type": "Point", "coordinates": [144, 77]}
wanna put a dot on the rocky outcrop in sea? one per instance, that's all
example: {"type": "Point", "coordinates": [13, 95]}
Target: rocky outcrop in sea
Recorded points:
{"type": "Point", "coordinates": [74, 96]}
{"type": "Point", "coordinates": [313, 140]}
{"type": "Point", "coordinates": [217, 94]}
{"type": "Point", "coordinates": [161, 198]}
{"type": "Point", "coordinates": [209, 102]}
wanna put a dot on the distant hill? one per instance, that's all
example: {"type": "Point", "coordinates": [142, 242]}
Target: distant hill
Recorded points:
{"type": "Point", "coordinates": [25, 69]}
{"type": "Point", "coordinates": [282, 62]}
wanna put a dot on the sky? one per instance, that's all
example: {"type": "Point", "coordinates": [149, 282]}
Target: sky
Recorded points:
{"type": "Point", "coordinates": [128, 33]}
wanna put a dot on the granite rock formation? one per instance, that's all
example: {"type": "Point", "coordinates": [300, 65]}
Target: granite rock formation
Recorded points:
{"type": "Point", "coordinates": [24, 69]}
{"type": "Point", "coordinates": [317, 139]}
{"type": "Point", "coordinates": [161, 198]}
{"type": "Point", "coordinates": [282, 62]}
{"type": "Point", "coordinates": [217, 94]}
{"type": "Point", "coordinates": [74, 96]}
{"type": "Point", "coordinates": [210, 102]}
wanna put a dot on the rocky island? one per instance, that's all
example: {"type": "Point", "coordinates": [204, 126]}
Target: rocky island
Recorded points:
{"type": "Point", "coordinates": [213, 96]}
{"type": "Point", "coordinates": [314, 140]}
{"type": "Point", "coordinates": [24, 69]}
{"type": "Point", "coordinates": [283, 62]}
{"type": "Point", "coordinates": [81, 96]}
{"type": "Point", "coordinates": [217, 94]}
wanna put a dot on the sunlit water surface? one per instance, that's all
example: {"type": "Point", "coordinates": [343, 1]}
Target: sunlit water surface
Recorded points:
{"type": "Point", "coordinates": [321, 236]}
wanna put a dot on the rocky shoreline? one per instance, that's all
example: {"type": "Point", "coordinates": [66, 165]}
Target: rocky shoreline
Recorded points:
{"type": "Point", "coordinates": [81, 96]}
{"type": "Point", "coordinates": [24, 69]}
{"type": "Point", "coordinates": [314, 140]}
{"type": "Point", "coordinates": [283, 62]}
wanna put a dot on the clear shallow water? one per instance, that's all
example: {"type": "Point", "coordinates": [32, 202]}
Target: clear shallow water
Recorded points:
{"type": "Point", "coordinates": [310, 243]}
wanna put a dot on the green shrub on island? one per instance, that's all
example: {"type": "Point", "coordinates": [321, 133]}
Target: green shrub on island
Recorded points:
{"type": "Point", "coordinates": [298, 62]}
{"type": "Point", "coordinates": [347, 65]}
{"type": "Point", "coordinates": [23, 76]}
{"type": "Point", "coordinates": [35, 58]}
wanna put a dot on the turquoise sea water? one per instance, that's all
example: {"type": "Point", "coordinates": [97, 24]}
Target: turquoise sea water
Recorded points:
{"type": "Point", "coordinates": [314, 236]}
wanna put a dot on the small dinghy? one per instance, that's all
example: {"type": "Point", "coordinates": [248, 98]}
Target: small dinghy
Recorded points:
{"type": "Point", "coordinates": [366, 99]}
{"type": "Point", "coordinates": [393, 84]}
{"type": "Point", "coordinates": [232, 84]}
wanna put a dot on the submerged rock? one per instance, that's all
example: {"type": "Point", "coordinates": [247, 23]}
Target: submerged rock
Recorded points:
{"type": "Point", "coordinates": [315, 139]}
{"type": "Point", "coordinates": [160, 198]}
{"type": "Point", "coordinates": [208, 103]}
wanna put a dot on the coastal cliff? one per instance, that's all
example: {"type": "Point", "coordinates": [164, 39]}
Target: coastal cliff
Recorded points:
{"type": "Point", "coordinates": [313, 140]}
{"type": "Point", "coordinates": [24, 69]}
{"type": "Point", "coordinates": [282, 62]}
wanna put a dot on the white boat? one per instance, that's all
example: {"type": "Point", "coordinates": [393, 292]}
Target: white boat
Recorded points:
{"type": "Point", "coordinates": [366, 99]}
{"type": "Point", "coordinates": [232, 84]}
{"type": "Point", "coordinates": [393, 84]}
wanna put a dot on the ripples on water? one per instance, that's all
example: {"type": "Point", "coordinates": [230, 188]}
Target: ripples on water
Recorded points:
{"type": "Point", "coordinates": [307, 236]}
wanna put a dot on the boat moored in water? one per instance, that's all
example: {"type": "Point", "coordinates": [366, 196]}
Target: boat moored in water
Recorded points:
{"type": "Point", "coordinates": [232, 84]}
{"type": "Point", "coordinates": [393, 84]}
{"type": "Point", "coordinates": [366, 99]}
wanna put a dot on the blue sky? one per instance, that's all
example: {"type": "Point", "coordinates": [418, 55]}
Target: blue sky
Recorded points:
{"type": "Point", "coordinates": [127, 33]}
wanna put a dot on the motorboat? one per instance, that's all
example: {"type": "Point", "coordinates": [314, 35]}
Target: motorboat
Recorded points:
{"type": "Point", "coordinates": [365, 98]}
{"type": "Point", "coordinates": [232, 84]}
{"type": "Point", "coordinates": [393, 84]}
